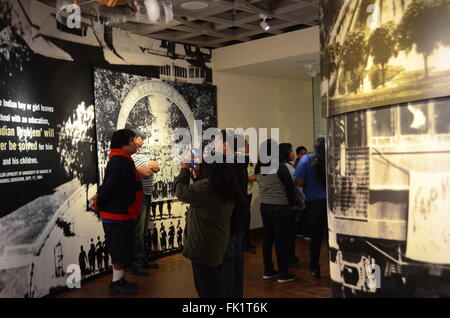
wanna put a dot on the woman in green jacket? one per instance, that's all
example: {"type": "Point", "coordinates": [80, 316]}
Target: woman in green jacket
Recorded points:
{"type": "Point", "coordinates": [211, 200]}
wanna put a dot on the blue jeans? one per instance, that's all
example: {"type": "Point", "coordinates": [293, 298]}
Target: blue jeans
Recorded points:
{"type": "Point", "coordinates": [142, 224]}
{"type": "Point", "coordinates": [233, 268]}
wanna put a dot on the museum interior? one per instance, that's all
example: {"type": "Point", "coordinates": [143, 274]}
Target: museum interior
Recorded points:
{"type": "Point", "coordinates": [334, 120]}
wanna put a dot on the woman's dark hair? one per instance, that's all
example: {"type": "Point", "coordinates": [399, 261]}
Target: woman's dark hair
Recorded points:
{"type": "Point", "coordinates": [285, 151]}
{"type": "Point", "coordinates": [121, 138]}
{"type": "Point", "coordinates": [223, 179]}
{"type": "Point", "coordinates": [318, 160]}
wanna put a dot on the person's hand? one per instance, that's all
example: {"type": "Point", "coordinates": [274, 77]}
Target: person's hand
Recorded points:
{"type": "Point", "coordinates": [154, 166]}
{"type": "Point", "coordinates": [185, 165]}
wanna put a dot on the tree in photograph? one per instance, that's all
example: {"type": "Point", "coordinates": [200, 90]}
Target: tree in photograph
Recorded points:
{"type": "Point", "coordinates": [329, 60]}
{"type": "Point", "coordinates": [76, 147]}
{"type": "Point", "coordinates": [425, 26]}
{"type": "Point", "coordinates": [14, 52]}
{"type": "Point", "coordinates": [354, 59]}
{"type": "Point", "coordinates": [141, 116]}
{"type": "Point", "coordinates": [382, 46]}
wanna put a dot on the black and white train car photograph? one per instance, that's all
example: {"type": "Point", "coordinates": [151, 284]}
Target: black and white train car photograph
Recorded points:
{"type": "Point", "coordinates": [388, 181]}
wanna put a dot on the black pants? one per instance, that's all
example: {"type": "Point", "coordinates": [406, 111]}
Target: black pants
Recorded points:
{"type": "Point", "coordinates": [317, 228]}
{"type": "Point", "coordinates": [293, 233]}
{"type": "Point", "coordinates": [208, 280]}
{"type": "Point", "coordinates": [246, 238]}
{"type": "Point", "coordinates": [276, 229]}
{"type": "Point", "coordinates": [120, 241]}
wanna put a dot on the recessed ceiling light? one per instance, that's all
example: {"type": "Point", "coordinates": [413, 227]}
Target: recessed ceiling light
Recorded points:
{"type": "Point", "coordinates": [194, 5]}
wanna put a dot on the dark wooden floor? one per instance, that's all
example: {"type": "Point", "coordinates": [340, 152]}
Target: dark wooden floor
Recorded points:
{"type": "Point", "coordinates": [173, 279]}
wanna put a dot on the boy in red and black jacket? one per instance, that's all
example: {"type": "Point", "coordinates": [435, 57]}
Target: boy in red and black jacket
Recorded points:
{"type": "Point", "coordinates": [119, 202]}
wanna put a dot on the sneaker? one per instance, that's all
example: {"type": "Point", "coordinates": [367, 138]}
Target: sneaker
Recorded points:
{"type": "Point", "coordinates": [315, 274]}
{"type": "Point", "coordinates": [286, 278]}
{"type": "Point", "coordinates": [137, 270]}
{"type": "Point", "coordinates": [128, 283]}
{"type": "Point", "coordinates": [122, 287]}
{"type": "Point", "coordinates": [270, 275]}
{"type": "Point", "coordinates": [150, 265]}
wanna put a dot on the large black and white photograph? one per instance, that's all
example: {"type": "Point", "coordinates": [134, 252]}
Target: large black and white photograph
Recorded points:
{"type": "Point", "coordinates": [154, 108]}
{"type": "Point", "coordinates": [49, 170]}
{"type": "Point", "coordinates": [106, 38]}
{"type": "Point", "coordinates": [388, 179]}
{"type": "Point", "coordinates": [49, 165]}
{"type": "Point", "coordinates": [377, 53]}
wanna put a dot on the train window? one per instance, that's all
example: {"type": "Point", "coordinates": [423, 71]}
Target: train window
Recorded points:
{"type": "Point", "coordinates": [442, 116]}
{"type": "Point", "coordinates": [414, 119]}
{"type": "Point", "coordinates": [382, 122]}
{"type": "Point", "coordinates": [355, 129]}
{"type": "Point", "coordinates": [191, 73]}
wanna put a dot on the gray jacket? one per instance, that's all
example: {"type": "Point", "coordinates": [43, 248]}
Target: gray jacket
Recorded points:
{"type": "Point", "coordinates": [207, 220]}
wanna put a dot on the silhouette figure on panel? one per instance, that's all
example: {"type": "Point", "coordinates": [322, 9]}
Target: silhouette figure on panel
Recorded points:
{"type": "Point", "coordinates": [105, 256]}
{"type": "Point", "coordinates": [82, 261]}
{"type": "Point", "coordinates": [171, 236]}
{"type": "Point", "coordinates": [161, 208]}
{"type": "Point", "coordinates": [91, 257]}
{"type": "Point", "coordinates": [154, 204]}
{"type": "Point", "coordinates": [99, 253]}
{"type": "Point", "coordinates": [155, 240]}
{"type": "Point", "coordinates": [163, 238]}
{"type": "Point", "coordinates": [169, 207]}
{"type": "Point", "coordinates": [179, 234]}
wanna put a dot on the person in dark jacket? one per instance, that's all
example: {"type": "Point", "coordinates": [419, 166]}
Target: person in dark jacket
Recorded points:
{"type": "Point", "coordinates": [277, 191]}
{"type": "Point", "coordinates": [310, 174]}
{"type": "Point", "coordinates": [119, 201]}
{"type": "Point", "coordinates": [211, 198]}
{"type": "Point", "coordinates": [233, 261]}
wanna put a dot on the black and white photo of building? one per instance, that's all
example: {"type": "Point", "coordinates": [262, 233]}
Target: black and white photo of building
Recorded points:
{"type": "Point", "coordinates": [388, 181]}
{"type": "Point", "coordinates": [377, 53]}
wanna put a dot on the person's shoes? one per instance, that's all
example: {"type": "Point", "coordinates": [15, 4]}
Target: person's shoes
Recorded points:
{"type": "Point", "coordinates": [315, 274]}
{"type": "Point", "coordinates": [270, 275]}
{"type": "Point", "coordinates": [122, 287]}
{"type": "Point", "coordinates": [307, 238]}
{"type": "Point", "coordinates": [286, 278]}
{"type": "Point", "coordinates": [150, 265]}
{"type": "Point", "coordinates": [130, 284]}
{"type": "Point", "coordinates": [137, 270]}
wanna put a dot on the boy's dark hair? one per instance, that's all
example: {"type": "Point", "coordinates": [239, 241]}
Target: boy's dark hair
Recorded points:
{"type": "Point", "coordinates": [299, 149]}
{"type": "Point", "coordinates": [121, 138]}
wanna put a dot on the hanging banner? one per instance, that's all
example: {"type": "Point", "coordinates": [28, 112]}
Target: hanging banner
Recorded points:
{"type": "Point", "coordinates": [429, 218]}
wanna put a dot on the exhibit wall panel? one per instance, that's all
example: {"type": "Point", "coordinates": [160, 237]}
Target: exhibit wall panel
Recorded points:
{"type": "Point", "coordinates": [49, 163]}
{"type": "Point", "coordinates": [387, 164]}
{"type": "Point", "coordinates": [247, 101]}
